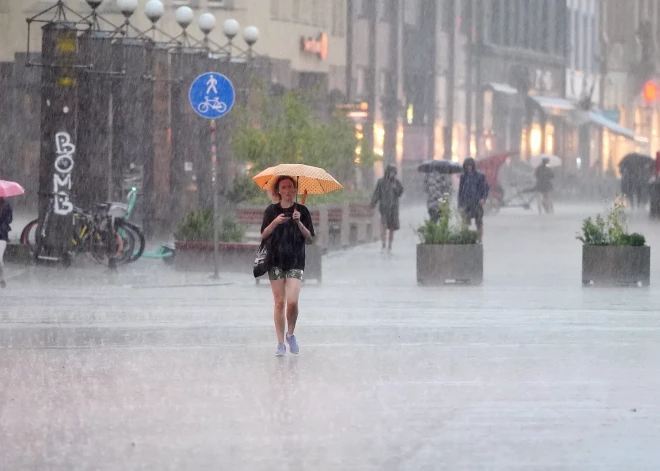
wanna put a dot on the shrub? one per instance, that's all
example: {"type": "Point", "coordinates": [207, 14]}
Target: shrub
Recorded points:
{"type": "Point", "coordinates": [444, 233]}
{"type": "Point", "coordinates": [610, 230]}
{"type": "Point", "coordinates": [197, 226]}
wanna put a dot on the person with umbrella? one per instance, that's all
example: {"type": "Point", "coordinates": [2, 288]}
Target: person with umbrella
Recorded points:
{"type": "Point", "coordinates": [636, 171]}
{"type": "Point", "coordinates": [544, 176]}
{"type": "Point", "coordinates": [7, 189]}
{"type": "Point", "coordinates": [472, 193]}
{"type": "Point", "coordinates": [287, 225]}
{"type": "Point", "coordinates": [286, 228]}
{"type": "Point", "coordinates": [386, 195]}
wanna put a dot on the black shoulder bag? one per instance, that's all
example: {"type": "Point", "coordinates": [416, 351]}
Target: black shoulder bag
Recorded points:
{"type": "Point", "coordinates": [261, 265]}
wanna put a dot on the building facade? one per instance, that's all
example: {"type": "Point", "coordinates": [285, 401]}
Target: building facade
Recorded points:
{"type": "Point", "coordinates": [629, 48]}
{"type": "Point", "coordinates": [304, 43]}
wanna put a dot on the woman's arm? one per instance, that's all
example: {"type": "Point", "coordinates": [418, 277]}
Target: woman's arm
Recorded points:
{"type": "Point", "coordinates": [269, 223]}
{"type": "Point", "coordinates": [305, 232]}
{"type": "Point", "coordinates": [304, 222]}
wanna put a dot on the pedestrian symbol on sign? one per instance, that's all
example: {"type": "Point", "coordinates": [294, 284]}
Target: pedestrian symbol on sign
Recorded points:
{"type": "Point", "coordinates": [211, 95]}
{"type": "Point", "coordinates": [212, 85]}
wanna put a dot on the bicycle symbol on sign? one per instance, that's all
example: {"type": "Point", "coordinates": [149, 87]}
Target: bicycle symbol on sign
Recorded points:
{"type": "Point", "coordinates": [215, 104]}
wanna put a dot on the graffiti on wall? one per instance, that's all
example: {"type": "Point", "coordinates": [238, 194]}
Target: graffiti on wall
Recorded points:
{"type": "Point", "coordinates": [62, 173]}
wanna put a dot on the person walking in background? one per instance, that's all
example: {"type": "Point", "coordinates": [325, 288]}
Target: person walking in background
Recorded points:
{"type": "Point", "coordinates": [544, 176]}
{"type": "Point", "coordinates": [6, 217]}
{"type": "Point", "coordinates": [287, 225]}
{"type": "Point", "coordinates": [387, 193]}
{"type": "Point", "coordinates": [472, 193]}
{"type": "Point", "coordinates": [438, 187]}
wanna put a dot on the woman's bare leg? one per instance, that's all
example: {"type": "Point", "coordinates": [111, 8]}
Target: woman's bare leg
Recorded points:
{"type": "Point", "coordinates": [278, 288]}
{"type": "Point", "coordinates": [292, 295]}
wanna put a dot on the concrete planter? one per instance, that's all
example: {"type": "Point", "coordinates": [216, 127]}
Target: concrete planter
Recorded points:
{"type": "Point", "coordinates": [616, 265]}
{"type": "Point", "coordinates": [235, 258]}
{"type": "Point", "coordinates": [444, 264]}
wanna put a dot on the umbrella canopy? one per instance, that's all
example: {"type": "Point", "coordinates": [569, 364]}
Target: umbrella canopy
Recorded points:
{"type": "Point", "coordinates": [311, 180]}
{"type": "Point", "coordinates": [8, 188]}
{"type": "Point", "coordinates": [637, 161]}
{"type": "Point", "coordinates": [554, 161]}
{"type": "Point", "coordinates": [445, 167]}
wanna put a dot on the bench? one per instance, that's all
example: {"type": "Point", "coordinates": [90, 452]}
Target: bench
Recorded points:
{"type": "Point", "coordinates": [235, 258]}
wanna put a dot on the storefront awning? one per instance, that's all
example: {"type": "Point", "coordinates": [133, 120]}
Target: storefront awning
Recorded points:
{"type": "Point", "coordinates": [554, 106]}
{"type": "Point", "coordinates": [616, 128]}
{"type": "Point", "coordinates": [501, 88]}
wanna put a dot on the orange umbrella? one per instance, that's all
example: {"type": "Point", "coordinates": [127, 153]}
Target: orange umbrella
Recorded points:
{"type": "Point", "coordinates": [311, 180]}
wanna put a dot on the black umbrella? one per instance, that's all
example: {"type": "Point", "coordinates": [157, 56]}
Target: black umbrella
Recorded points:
{"type": "Point", "coordinates": [445, 167]}
{"type": "Point", "coordinates": [637, 161]}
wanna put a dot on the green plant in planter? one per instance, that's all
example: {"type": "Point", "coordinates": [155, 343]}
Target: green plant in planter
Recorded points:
{"type": "Point", "coordinates": [197, 226]}
{"type": "Point", "coordinates": [443, 232]}
{"type": "Point", "coordinates": [610, 230]}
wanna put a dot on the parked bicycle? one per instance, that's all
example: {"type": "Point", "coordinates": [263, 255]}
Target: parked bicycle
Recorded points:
{"type": "Point", "coordinates": [108, 239]}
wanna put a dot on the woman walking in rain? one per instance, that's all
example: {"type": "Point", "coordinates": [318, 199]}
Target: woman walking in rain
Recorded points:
{"type": "Point", "coordinates": [387, 194]}
{"type": "Point", "coordinates": [6, 217]}
{"type": "Point", "coordinates": [286, 226]}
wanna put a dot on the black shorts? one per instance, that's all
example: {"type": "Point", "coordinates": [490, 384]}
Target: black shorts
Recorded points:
{"type": "Point", "coordinates": [473, 212]}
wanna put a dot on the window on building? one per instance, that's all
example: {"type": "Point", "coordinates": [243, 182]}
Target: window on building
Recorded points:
{"type": "Point", "coordinates": [584, 36]}
{"type": "Point", "coordinates": [383, 9]}
{"type": "Point", "coordinates": [338, 18]}
{"type": "Point", "coordinates": [496, 22]}
{"type": "Point", "coordinates": [411, 12]}
{"type": "Point", "coordinates": [561, 28]}
{"type": "Point", "coordinates": [466, 16]}
{"type": "Point", "coordinates": [275, 9]}
{"type": "Point", "coordinates": [444, 18]}
{"type": "Point", "coordinates": [574, 41]}
{"type": "Point", "coordinates": [508, 23]}
{"type": "Point", "coordinates": [187, 3]}
{"type": "Point", "coordinates": [361, 81]}
{"type": "Point", "coordinates": [314, 6]}
{"type": "Point", "coordinates": [295, 10]}
{"type": "Point", "coordinates": [546, 20]}
{"type": "Point", "coordinates": [595, 41]}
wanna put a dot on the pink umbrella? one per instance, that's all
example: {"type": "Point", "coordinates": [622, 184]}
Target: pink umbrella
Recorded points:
{"type": "Point", "coordinates": [8, 188]}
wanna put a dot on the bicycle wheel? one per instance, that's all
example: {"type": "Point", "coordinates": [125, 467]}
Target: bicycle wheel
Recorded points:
{"type": "Point", "coordinates": [139, 244]}
{"type": "Point", "coordinates": [102, 244]}
{"type": "Point", "coordinates": [29, 235]}
{"type": "Point", "coordinates": [129, 240]}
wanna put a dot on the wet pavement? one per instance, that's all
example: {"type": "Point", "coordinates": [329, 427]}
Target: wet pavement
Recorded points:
{"type": "Point", "coordinates": [148, 368]}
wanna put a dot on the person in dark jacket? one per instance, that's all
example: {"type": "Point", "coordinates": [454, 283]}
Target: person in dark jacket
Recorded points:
{"type": "Point", "coordinates": [544, 176]}
{"type": "Point", "coordinates": [6, 217]}
{"type": "Point", "coordinates": [387, 193]}
{"type": "Point", "coordinates": [472, 193]}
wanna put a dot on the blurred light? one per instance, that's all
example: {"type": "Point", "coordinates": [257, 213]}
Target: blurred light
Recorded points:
{"type": "Point", "coordinates": [154, 10]}
{"type": "Point", "coordinates": [535, 140]}
{"type": "Point", "coordinates": [650, 92]}
{"type": "Point", "coordinates": [410, 113]}
{"type": "Point", "coordinates": [578, 162]}
{"type": "Point", "coordinates": [251, 35]}
{"type": "Point", "coordinates": [230, 28]}
{"type": "Point", "coordinates": [206, 22]}
{"type": "Point", "coordinates": [184, 16]}
{"type": "Point", "coordinates": [550, 144]}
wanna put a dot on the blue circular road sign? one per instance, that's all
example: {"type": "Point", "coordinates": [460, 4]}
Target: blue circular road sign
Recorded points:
{"type": "Point", "coordinates": [212, 95]}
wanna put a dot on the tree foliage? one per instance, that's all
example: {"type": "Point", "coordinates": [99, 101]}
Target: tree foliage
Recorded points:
{"type": "Point", "coordinates": [286, 129]}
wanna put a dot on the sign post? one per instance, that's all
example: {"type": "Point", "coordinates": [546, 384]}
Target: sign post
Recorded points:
{"type": "Point", "coordinates": [211, 96]}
